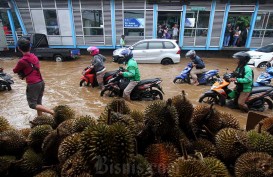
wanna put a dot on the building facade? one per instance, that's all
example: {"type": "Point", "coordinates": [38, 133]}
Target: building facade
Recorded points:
{"type": "Point", "coordinates": [202, 24]}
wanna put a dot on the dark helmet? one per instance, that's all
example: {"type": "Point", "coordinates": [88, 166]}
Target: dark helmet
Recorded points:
{"type": "Point", "coordinates": [127, 54]}
{"type": "Point", "coordinates": [243, 58]}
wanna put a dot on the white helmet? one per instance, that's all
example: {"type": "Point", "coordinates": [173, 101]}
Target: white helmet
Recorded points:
{"type": "Point", "coordinates": [190, 54]}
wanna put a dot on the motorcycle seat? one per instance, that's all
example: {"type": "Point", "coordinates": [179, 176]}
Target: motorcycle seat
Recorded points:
{"type": "Point", "coordinates": [261, 89]}
{"type": "Point", "coordinates": [145, 81]}
{"type": "Point", "coordinates": [109, 73]}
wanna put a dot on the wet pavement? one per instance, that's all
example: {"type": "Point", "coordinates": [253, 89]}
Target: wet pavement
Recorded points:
{"type": "Point", "coordinates": [62, 87]}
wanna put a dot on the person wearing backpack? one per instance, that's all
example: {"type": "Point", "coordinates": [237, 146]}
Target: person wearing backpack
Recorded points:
{"type": "Point", "coordinates": [28, 68]}
{"type": "Point", "coordinates": [97, 62]}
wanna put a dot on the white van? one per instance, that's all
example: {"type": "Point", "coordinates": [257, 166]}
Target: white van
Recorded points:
{"type": "Point", "coordinates": [3, 40]}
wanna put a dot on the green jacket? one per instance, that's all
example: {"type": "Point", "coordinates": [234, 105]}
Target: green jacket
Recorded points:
{"type": "Point", "coordinates": [132, 70]}
{"type": "Point", "coordinates": [245, 79]}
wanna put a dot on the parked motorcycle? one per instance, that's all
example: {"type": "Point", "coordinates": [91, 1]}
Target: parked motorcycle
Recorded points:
{"type": "Point", "coordinates": [205, 78]}
{"type": "Point", "coordinates": [89, 77]}
{"type": "Point", "coordinates": [5, 80]}
{"type": "Point", "coordinates": [148, 89]}
{"type": "Point", "coordinates": [264, 79]}
{"type": "Point", "coordinates": [218, 94]}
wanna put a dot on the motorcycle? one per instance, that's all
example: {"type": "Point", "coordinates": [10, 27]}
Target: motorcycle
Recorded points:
{"type": "Point", "coordinates": [5, 81]}
{"type": "Point", "coordinates": [205, 78]}
{"type": "Point", "coordinates": [219, 94]}
{"type": "Point", "coordinates": [148, 89]}
{"type": "Point", "coordinates": [264, 79]}
{"type": "Point", "coordinates": [89, 77]}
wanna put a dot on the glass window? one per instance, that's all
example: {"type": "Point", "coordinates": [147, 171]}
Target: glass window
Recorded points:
{"type": "Point", "coordinates": [134, 23]}
{"type": "Point", "coordinates": [169, 45]}
{"type": "Point", "coordinates": [92, 22]}
{"type": "Point", "coordinates": [268, 48]}
{"type": "Point", "coordinates": [51, 22]}
{"type": "Point", "coordinates": [196, 23]}
{"type": "Point", "coordinates": [155, 45]}
{"type": "Point", "coordinates": [140, 46]}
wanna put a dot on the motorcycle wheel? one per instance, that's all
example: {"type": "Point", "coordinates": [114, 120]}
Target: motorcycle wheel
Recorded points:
{"type": "Point", "coordinates": [156, 95]}
{"type": "Point", "coordinates": [109, 92]}
{"type": "Point", "coordinates": [180, 81]}
{"type": "Point", "coordinates": [209, 99]}
{"type": "Point", "coordinates": [268, 103]}
{"type": "Point", "coordinates": [8, 87]}
{"type": "Point", "coordinates": [83, 82]}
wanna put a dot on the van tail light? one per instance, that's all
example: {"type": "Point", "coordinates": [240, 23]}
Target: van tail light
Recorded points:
{"type": "Point", "coordinates": [178, 52]}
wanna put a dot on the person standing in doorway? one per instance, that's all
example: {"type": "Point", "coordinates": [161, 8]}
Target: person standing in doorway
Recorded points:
{"type": "Point", "coordinates": [122, 41]}
{"type": "Point", "coordinates": [227, 34]}
{"type": "Point", "coordinates": [175, 32]}
{"type": "Point", "coordinates": [236, 36]}
{"type": "Point", "coordinates": [28, 67]}
{"type": "Point", "coordinates": [245, 35]}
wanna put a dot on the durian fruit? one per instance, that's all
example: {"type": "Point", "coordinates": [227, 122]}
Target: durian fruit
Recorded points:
{"type": "Point", "coordinates": [81, 122]}
{"type": "Point", "coordinates": [4, 124]}
{"type": "Point", "coordinates": [204, 116]}
{"type": "Point", "coordinates": [205, 147]}
{"type": "Point", "coordinates": [162, 117]}
{"type": "Point", "coordinates": [216, 167]}
{"type": "Point", "coordinates": [65, 128]}
{"type": "Point", "coordinates": [188, 168]}
{"type": "Point", "coordinates": [184, 109]}
{"type": "Point", "coordinates": [260, 142]}
{"type": "Point", "coordinates": [116, 105]}
{"type": "Point", "coordinates": [254, 164]}
{"type": "Point", "coordinates": [160, 156]}
{"type": "Point", "coordinates": [43, 120]}
{"type": "Point", "coordinates": [12, 142]}
{"type": "Point", "coordinates": [230, 144]}
{"type": "Point", "coordinates": [62, 113]}
{"type": "Point", "coordinates": [47, 173]}
{"type": "Point", "coordinates": [25, 132]}
{"type": "Point", "coordinates": [69, 146]}
{"type": "Point", "coordinates": [5, 163]}
{"type": "Point", "coordinates": [266, 125]}
{"type": "Point", "coordinates": [74, 166]}
{"type": "Point", "coordinates": [229, 121]}
{"type": "Point", "coordinates": [140, 167]}
{"type": "Point", "coordinates": [137, 116]}
{"type": "Point", "coordinates": [31, 163]}
{"type": "Point", "coordinates": [37, 136]}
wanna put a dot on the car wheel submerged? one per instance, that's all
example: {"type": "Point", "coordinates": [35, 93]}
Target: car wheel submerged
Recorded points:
{"type": "Point", "coordinates": [58, 58]}
{"type": "Point", "coordinates": [167, 61]}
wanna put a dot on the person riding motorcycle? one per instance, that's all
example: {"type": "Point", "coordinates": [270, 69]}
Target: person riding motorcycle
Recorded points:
{"type": "Point", "coordinates": [98, 64]}
{"type": "Point", "coordinates": [197, 64]}
{"type": "Point", "coordinates": [243, 80]}
{"type": "Point", "coordinates": [132, 73]}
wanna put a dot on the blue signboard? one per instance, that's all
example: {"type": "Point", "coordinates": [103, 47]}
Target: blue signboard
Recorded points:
{"type": "Point", "coordinates": [134, 23]}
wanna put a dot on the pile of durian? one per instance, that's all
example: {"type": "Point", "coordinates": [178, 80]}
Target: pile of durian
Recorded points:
{"type": "Point", "coordinates": [168, 139]}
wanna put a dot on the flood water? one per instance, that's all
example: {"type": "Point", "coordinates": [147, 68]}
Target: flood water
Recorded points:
{"type": "Point", "coordinates": [62, 87]}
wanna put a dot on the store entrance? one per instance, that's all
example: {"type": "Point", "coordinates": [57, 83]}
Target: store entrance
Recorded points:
{"type": "Point", "coordinates": [239, 23]}
{"type": "Point", "coordinates": [166, 20]}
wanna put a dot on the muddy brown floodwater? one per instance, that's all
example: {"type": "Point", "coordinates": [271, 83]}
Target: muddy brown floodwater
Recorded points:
{"type": "Point", "coordinates": [62, 87]}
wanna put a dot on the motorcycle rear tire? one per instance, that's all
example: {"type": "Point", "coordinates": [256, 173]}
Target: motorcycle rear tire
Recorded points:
{"type": "Point", "coordinates": [269, 103]}
{"type": "Point", "coordinates": [212, 99]}
{"type": "Point", "coordinates": [156, 94]}
{"type": "Point", "coordinates": [112, 93]}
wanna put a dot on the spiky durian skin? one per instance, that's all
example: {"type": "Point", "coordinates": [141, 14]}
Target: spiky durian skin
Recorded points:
{"type": "Point", "coordinates": [184, 109]}
{"type": "Point", "coordinates": [4, 124]}
{"type": "Point", "coordinates": [260, 142]}
{"type": "Point", "coordinates": [188, 168]}
{"type": "Point", "coordinates": [267, 124]}
{"type": "Point", "coordinates": [12, 142]}
{"type": "Point", "coordinates": [116, 105]}
{"type": "Point", "coordinates": [47, 173]}
{"type": "Point", "coordinates": [216, 167]}
{"type": "Point", "coordinates": [230, 144]}
{"type": "Point", "coordinates": [203, 115]}
{"type": "Point", "coordinates": [31, 162]}
{"type": "Point", "coordinates": [229, 121]}
{"type": "Point", "coordinates": [69, 146]}
{"type": "Point", "coordinates": [5, 163]}
{"type": "Point", "coordinates": [161, 117]}
{"type": "Point", "coordinates": [37, 136]}
{"type": "Point", "coordinates": [62, 113]}
{"type": "Point", "coordinates": [25, 132]}
{"type": "Point", "coordinates": [81, 122]}
{"type": "Point", "coordinates": [137, 116]}
{"type": "Point", "coordinates": [140, 167]}
{"type": "Point", "coordinates": [43, 120]}
{"type": "Point", "coordinates": [204, 146]}
{"type": "Point", "coordinates": [65, 128]}
{"type": "Point", "coordinates": [252, 164]}
{"type": "Point", "coordinates": [160, 156]}
{"type": "Point", "coordinates": [74, 166]}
